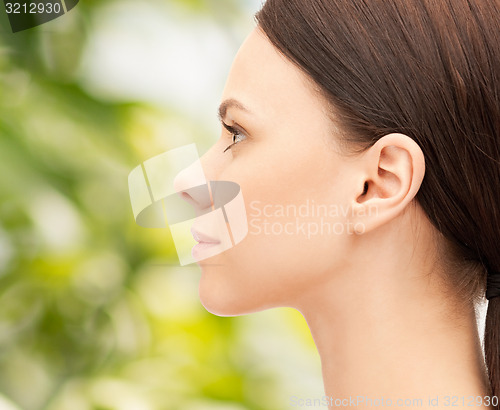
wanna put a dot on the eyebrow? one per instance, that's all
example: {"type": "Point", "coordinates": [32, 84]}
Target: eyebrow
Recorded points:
{"type": "Point", "coordinates": [228, 104]}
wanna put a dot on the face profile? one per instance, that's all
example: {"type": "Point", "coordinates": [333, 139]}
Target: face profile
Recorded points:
{"type": "Point", "coordinates": [282, 154]}
{"type": "Point", "coordinates": [304, 199]}
{"type": "Point", "coordinates": [363, 137]}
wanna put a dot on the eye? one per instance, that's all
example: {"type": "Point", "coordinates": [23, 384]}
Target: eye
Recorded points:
{"type": "Point", "coordinates": [237, 135]}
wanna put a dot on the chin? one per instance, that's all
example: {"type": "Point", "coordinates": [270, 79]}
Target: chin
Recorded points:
{"type": "Point", "coordinates": [221, 300]}
{"type": "Point", "coordinates": [218, 306]}
{"type": "Point", "coordinates": [217, 300]}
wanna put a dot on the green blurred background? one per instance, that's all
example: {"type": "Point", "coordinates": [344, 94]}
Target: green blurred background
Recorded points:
{"type": "Point", "coordinates": [95, 311]}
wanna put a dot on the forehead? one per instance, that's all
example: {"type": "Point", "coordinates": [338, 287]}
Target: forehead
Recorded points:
{"type": "Point", "coordinates": [262, 78]}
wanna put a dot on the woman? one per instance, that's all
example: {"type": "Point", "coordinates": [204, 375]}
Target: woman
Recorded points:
{"type": "Point", "coordinates": [365, 137]}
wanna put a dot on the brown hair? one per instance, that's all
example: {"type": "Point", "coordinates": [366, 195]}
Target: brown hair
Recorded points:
{"type": "Point", "coordinates": [429, 69]}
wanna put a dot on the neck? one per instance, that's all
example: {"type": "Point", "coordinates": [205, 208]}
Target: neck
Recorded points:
{"type": "Point", "coordinates": [387, 326]}
{"type": "Point", "coordinates": [385, 345]}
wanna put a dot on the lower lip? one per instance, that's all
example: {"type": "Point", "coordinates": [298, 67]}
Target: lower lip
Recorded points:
{"type": "Point", "coordinates": [199, 250]}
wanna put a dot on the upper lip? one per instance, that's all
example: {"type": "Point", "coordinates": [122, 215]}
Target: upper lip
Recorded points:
{"type": "Point", "coordinates": [202, 238]}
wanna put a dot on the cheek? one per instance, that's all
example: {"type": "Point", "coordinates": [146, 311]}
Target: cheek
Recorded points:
{"type": "Point", "coordinates": [296, 234]}
{"type": "Point", "coordinates": [270, 269]}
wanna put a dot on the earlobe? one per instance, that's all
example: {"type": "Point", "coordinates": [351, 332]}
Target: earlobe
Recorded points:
{"type": "Point", "coordinates": [394, 169]}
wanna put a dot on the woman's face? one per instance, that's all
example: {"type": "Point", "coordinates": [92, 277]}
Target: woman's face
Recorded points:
{"type": "Point", "coordinates": [295, 186]}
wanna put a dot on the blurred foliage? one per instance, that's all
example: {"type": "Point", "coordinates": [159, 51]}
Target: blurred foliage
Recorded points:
{"type": "Point", "coordinates": [94, 313]}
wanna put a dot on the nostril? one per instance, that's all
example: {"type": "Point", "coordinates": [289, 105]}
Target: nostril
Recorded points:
{"type": "Point", "coordinates": [188, 198]}
{"type": "Point", "coordinates": [198, 197]}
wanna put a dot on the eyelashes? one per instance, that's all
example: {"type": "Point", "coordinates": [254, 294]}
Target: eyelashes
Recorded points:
{"type": "Point", "coordinates": [237, 135]}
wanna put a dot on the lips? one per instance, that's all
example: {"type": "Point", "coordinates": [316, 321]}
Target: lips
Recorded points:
{"type": "Point", "coordinates": [206, 246]}
{"type": "Point", "coordinates": [203, 238]}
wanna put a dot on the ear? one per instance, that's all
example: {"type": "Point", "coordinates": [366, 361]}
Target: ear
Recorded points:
{"type": "Point", "coordinates": [392, 171]}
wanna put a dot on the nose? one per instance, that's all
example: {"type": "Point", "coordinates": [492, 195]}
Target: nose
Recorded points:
{"type": "Point", "coordinates": [192, 186]}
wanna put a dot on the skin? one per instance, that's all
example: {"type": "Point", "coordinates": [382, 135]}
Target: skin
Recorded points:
{"type": "Point", "coordinates": [384, 321]}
